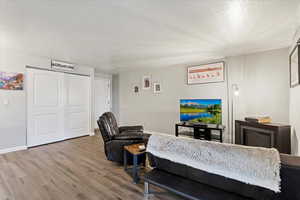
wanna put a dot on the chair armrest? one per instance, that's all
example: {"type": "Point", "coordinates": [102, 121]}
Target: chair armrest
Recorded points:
{"type": "Point", "coordinates": [131, 128]}
{"type": "Point", "coordinates": [129, 136]}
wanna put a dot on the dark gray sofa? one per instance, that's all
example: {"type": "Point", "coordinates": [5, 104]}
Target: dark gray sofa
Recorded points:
{"type": "Point", "coordinates": [200, 185]}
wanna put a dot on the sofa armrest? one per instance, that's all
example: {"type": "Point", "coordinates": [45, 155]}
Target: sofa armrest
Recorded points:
{"type": "Point", "coordinates": [290, 160]}
{"type": "Point", "coordinates": [131, 128]}
{"type": "Point", "coordinates": [290, 173]}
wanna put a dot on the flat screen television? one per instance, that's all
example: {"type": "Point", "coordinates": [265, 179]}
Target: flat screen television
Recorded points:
{"type": "Point", "coordinates": [201, 110]}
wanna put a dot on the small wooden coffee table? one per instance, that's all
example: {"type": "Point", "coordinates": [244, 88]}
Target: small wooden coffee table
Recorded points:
{"type": "Point", "coordinates": [134, 150]}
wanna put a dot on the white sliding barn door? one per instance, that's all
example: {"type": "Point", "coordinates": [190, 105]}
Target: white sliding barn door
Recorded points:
{"type": "Point", "coordinates": [77, 106]}
{"type": "Point", "coordinates": [58, 106]}
{"type": "Point", "coordinates": [45, 107]}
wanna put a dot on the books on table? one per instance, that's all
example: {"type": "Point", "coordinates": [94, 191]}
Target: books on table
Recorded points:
{"type": "Point", "coordinates": [259, 119]}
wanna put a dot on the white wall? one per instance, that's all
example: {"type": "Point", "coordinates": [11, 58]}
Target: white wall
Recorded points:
{"type": "Point", "coordinates": [160, 112]}
{"type": "Point", "coordinates": [115, 96]}
{"type": "Point", "coordinates": [262, 78]}
{"type": "Point", "coordinates": [13, 116]}
{"type": "Point", "coordinates": [295, 110]}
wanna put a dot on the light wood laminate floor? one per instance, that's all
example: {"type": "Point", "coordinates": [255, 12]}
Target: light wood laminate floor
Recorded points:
{"type": "Point", "coordinates": [71, 170]}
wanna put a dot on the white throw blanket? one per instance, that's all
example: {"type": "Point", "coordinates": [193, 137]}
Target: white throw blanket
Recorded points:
{"type": "Point", "coordinates": [251, 165]}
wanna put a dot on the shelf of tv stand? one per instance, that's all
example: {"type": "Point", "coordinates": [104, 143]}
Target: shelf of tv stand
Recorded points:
{"type": "Point", "coordinates": [202, 131]}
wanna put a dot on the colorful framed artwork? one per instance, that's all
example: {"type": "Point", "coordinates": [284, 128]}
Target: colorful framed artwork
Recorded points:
{"type": "Point", "coordinates": [157, 88]}
{"type": "Point", "coordinates": [295, 66]}
{"type": "Point", "coordinates": [206, 73]}
{"type": "Point", "coordinates": [146, 82]}
{"type": "Point", "coordinates": [11, 81]}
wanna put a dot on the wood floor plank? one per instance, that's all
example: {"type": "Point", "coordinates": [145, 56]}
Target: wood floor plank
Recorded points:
{"type": "Point", "coordinates": [74, 169]}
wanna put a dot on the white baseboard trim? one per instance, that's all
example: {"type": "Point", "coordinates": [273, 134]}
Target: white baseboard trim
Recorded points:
{"type": "Point", "coordinates": [159, 133]}
{"type": "Point", "coordinates": [73, 137]}
{"type": "Point", "coordinates": [154, 132]}
{"type": "Point", "coordinates": [12, 149]}
{"type": "Point", "coordinates": [92, 133]}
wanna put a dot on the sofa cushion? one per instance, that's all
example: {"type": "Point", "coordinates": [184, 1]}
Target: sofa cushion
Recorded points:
{"type": "Point", "coordinates": [217, 181]}
{"type": "Point", "coordinates": [251, 165]}
{"type": "Point", "coordinates": [110, 123]}
{"type": "Point", "coordinates": [188, 188]}
{"type": "Point", "coordinates": [289, 173]}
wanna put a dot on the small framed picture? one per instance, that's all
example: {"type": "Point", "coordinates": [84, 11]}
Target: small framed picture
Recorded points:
{"type": "Point", "coordinates": [11, 81]}
{"type": "Point", "coordinates": [146, 82]}
{"type": "Point", "coordinates": [136, 89]}
{"type": "Point", "coordinates": [157, 88]}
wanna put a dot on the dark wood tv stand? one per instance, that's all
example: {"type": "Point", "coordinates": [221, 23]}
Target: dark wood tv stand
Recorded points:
{"type": "Point", "coordinates": [269, 135]}
{"type": "Point", "coordinates": [202, 131]}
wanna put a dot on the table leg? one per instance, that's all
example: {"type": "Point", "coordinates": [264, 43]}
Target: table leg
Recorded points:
{"type": "Point", "coordinates": [209, 134]}
{"type": "Point", "coordinates": [146, 188]}
{"type": "Point", "coordinates": [221, 136]}
{"type": "Point", "coordinates": [196, 133]}
{"type": "Point", "coordinates": [176, 130]}
{"type": "Point", "coordinates": [135, 169]}
{"type": "Point", "coordinates": [125, 160]}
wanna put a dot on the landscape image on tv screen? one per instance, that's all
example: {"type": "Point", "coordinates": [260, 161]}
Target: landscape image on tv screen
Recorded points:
{"type": "Point", "coordinates": [201, 110]}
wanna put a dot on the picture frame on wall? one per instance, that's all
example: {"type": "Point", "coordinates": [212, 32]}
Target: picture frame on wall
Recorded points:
{"type": "Point", "coordinates": [11, 81]}
{"type": "Point", "coordinates": [295, 66]}
{"type": "Point", "coordinates": [146, 82]}
{"type": "Point", "coordinates": [206, 73]}
{"type": "Point", "coordinates": [157, 88]}
{"type": "Point", "coordinates": [136, 89]}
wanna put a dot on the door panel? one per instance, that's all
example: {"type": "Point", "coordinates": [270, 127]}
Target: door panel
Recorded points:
{"type": "Point", "coordinates": [45, 124]}
{"type": "Point", "coordinates": [102, 97]}
{"type": "Point", "coordinates": [45, 107]}
{"type": "Point", "coordinates": [78, 121]}
{"type": "Point", "coordinates": [78, 90]}
{"type": "Point", "coordinates": [43, 94]}
{"type": "Point", "coordinates": [77, 105]}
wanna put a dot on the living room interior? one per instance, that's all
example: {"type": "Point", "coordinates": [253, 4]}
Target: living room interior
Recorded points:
{"type": "Point", "coordinates": [150, 99]}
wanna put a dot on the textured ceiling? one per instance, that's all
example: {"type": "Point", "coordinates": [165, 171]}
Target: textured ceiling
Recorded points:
{"type": "Point", "coordinates": [114, 35]}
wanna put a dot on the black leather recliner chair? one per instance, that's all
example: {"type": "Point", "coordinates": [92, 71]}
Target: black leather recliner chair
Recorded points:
{"type": "Point", "coordinates": [115, 138]}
